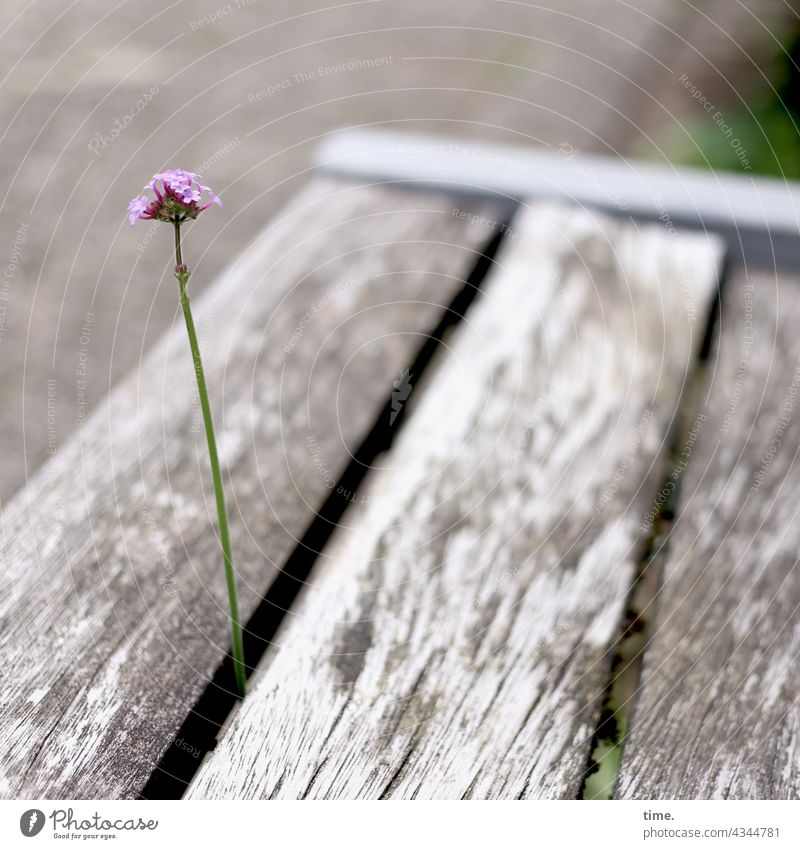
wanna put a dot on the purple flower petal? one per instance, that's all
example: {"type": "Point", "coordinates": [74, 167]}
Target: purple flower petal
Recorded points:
{"type": "Point", "coordinates": [180, 198]}
{"type": "Point", "coordinates": [135, 208]}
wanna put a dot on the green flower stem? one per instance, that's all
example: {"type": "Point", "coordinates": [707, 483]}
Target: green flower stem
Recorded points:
{"type": "Point", "coordinates": [182, 276]}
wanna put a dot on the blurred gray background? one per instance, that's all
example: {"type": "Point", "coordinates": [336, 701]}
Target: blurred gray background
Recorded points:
{"type": "Point", "coordinates": [98, 96]}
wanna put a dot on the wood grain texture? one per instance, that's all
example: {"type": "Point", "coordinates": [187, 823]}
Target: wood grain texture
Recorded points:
{"type": "Point", "coordinates": [718, 713]}
{"type": "Point", "coordinates": [454, 644]}
{"type": "Point", "coordinates": [113, 614]}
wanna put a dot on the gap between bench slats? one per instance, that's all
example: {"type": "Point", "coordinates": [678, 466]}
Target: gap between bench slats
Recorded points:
{"type": "Point", "coordinates": [454, 641]}
{"type": "Point", "coordinates": [718, 712]}
{"type": "Point", "coordinates": [114, 615]}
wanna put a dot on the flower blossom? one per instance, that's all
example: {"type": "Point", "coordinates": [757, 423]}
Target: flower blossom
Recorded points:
{"type": "Point", "coordinates": [179, 198]}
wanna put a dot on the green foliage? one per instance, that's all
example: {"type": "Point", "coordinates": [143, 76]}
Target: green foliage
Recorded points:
{"type": "Point", "coordinates": [766, 125]}
{"type": "Point", "coordinates": [768, 134]}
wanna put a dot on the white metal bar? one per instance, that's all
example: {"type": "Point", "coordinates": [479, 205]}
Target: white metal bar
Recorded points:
{"type": "Point", "coordinates": [711, 198]}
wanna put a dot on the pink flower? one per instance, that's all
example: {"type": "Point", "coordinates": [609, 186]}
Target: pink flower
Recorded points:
{"type": "Point", "coordinates": [179, 198]}
{"type": "Point", "coordinates": [136, 208]}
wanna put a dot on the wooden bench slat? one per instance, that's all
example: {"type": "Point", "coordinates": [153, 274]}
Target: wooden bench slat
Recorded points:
{"type": "Point", "coordinates": [113, 612]}
{"type": "Point", "coordinates": [454, 641]}
{"type": "Point", "coordinates": [718, 712]}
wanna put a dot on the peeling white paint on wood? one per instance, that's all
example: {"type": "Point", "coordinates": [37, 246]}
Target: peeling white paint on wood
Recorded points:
{"type": "Point", "coordinates": [113, 610]}
{"type": "Point", "coordinates": [454, 641]}
{"type": "Point", "coordinates": [718, 712]}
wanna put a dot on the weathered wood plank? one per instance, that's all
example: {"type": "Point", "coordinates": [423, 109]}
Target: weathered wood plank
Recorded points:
{"type": "Point", "coordinates": [454, 642]}
{"type": "Point", "coordinates": [718, 713]}
{"type": "Point", "coordinates": [112, 601]}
